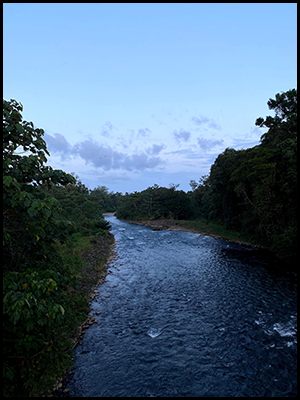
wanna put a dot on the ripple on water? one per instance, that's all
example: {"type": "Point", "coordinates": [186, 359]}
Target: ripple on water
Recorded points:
{"type": "Point", "coordinates": [191, 316]}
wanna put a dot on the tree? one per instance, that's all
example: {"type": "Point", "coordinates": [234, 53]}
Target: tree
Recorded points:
{"type": "Point", "coordinates": [284, 125]}
{"type": "Point", "coordinates": [255, 190]}
{"type": "Point", "coordinates": [155, 202]}
{"type": "Point", "coordinates": [193, 184]}
{"type": "Point", "coordinates": [28, 213]}
{"type": "Point", "coordinates": [34, 279]}
{"type": "Point", "coordinates": [281, 137]}
{"type": "Point", "coordinates": [81, 206]}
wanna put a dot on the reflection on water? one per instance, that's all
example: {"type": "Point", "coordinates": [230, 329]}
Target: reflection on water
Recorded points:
{"type": "Point", "coordinates": [188, 316]}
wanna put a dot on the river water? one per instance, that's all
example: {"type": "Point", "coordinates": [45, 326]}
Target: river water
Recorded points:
{"type": "Point", "coordinates": [188, 315]}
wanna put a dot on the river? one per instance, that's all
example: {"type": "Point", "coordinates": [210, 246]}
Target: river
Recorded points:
{"type": "Point", "coordinates": [187, 315]}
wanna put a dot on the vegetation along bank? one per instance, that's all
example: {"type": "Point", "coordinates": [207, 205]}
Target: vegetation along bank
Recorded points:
{"type": "Point", "coordinates": [56, 246]}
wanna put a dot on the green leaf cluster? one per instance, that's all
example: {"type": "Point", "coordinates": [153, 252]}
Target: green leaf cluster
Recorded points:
{"type": "Point", "coordinates": [79, 205]}
{"type": "Point", "coordinates": [255, 190]}
{"type": "Point", "coordinates": [155, 203]}
{"type": "Point", "coordinates": [35, 281]}
{"type": "Point", "coordinates": [108, 201]}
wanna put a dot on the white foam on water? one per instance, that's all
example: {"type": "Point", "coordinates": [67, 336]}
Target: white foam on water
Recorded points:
{"type": "Point", "coordinates": [154, 332]}
{"type": "Point", "coordinates": [285, 329]}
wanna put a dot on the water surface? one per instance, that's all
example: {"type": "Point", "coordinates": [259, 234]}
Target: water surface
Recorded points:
{"type": "Point", "coordinates": [187, 315]}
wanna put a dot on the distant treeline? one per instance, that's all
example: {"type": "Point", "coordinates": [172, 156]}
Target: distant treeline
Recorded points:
{"type": "Point", "coordinates": [253, 191]}
{"type": "Point", "coordinates": [154, 203]}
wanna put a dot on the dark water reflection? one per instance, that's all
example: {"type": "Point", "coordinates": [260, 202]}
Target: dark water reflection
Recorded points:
{"type": "Point", "coordinates": [188, 316]}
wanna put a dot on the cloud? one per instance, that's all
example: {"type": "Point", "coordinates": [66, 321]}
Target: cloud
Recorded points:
{"type": "Point", "coordinates": [250, 139]}
{"type": "Point", "coordinates": [58, 144]}
{"type": "Point", "coordinates": [104, 156]}
{"type": "Point", "coordinates": [182, 135]}
{"type": "Point", "coordinates": [107, 129]}
{"type": "Point", "coordinates": [204, 120]}
{"type": "Point", "coordinates": [208, 144]}
{"type": "Point", "coordinates": [132, 137]}
{"type": "Point", "coordinates": [200, 121]}
{"type": "Point", "coordinates": [143, 132]}
{"type": "Point", "coordinates": [186, 153]}
{"type": "Point", "coordinates": [141, 161]}
{"type": "Point", "coordinates": [155, 149]}
{"type": "Point", "coordinates": [95, 153]}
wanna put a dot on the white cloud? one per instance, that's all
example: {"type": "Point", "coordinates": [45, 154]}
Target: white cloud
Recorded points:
{"type": "Point", "coordinates": [208, 144]}
{"type": "Point", "coordinates": [58, 143]}
{"type": "Point", "coordinates": [202, 120]}
{"type": "Point", "coordinates": [143, 132]}
{"type": "Point", "coordinates": [181, 135]}
{"type": "Point", "coordinates": [107, 129]}
{"type": "Point", "coordinates": [105, 156]}
{"type": "Point", "coordinates": [155, 149]}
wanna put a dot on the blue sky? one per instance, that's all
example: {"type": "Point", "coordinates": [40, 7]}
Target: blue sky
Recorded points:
{"type": "Point", "coordinates": [130, 95]}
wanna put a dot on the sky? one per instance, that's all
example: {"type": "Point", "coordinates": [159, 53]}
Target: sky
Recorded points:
{"type": "Point", "coordinates": [132, 95]}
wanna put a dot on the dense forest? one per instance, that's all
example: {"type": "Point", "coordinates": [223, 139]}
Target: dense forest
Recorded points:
{"type": "Point", "coordinates": [154, 203]}
{"type": "Point", "coordinates": [47, 213]}
{"type": "Point", "coordinates": [253, 191]}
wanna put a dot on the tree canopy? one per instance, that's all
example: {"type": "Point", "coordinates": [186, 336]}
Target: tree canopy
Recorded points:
{"type": "Point", "coordinates": [255, 190]}
{"type": "Point", "coordinates": [41, 208]}
{"type": "Point", "coordinates": [154, 203]}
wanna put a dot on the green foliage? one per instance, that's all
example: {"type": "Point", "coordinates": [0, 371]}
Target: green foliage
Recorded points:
{"type": "Point", "coordinates": [41, 302]}
{"type": "Point", "coordinates": [154, 203]}
{"type": "Point", "coordinates": [36, 348]}
{"type": "Point", "coordinates": [255, 190]}
{"type": "Point", "coordinates": [79, 205]}
{"type": "Point", "coordinates": [109, 201]}
{"type": "Point", "coordinates": [28, 214]}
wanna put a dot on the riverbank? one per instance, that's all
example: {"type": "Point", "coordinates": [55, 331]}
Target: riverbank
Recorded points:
{"type": "Point", "coordinates": [92, 273]}
{"type": "Point", "coordinates": [89, 257]}
{"type": "Point", "coordinates": [200, 226]}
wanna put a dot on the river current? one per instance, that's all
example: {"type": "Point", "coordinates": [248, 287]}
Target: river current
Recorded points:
{"type": "Point", "coordinates": [182, 314]}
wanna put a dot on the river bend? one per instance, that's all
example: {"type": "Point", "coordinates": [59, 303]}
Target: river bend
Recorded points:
{"type": "Point", "coordinates": [187, 315]}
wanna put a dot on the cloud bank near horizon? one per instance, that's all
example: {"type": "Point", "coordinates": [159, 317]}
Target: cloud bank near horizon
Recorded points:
{"type": "Point", "coordinates": [103, 155]}
{"type": "Point", "coordinates": [115, 158]}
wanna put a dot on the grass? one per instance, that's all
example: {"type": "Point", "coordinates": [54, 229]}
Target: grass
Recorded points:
{"type": "Point", "coordinates": [217, 230]}
{"type": "Point", "coordinates": [202, 226]}
{"type": "Point", "coordinates": [85, 257]}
